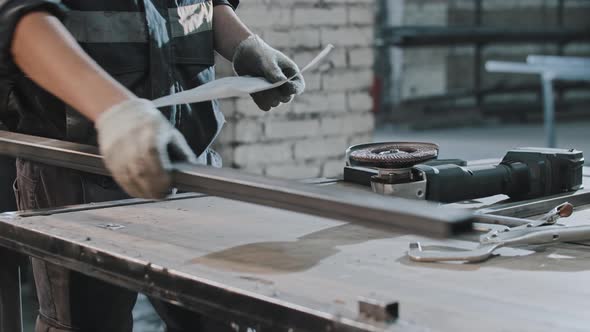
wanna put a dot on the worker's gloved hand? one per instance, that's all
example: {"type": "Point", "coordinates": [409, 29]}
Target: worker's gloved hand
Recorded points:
{"type": "Point", "coordinates": [138, 145]}
{"type": "Point", "coordinates": [253, 57]}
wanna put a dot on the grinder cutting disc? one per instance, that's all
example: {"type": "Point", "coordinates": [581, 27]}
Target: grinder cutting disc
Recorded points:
{"type": "Point", "coordinates": [392, 155]}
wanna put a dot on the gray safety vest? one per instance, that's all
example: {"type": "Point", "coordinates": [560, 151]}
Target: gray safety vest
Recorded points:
{"type": "Point", "coordinates": [154, 47]}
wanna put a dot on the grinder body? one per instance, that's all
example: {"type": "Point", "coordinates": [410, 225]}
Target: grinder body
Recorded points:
{"type": "Point", "coordinates": [523, 173]}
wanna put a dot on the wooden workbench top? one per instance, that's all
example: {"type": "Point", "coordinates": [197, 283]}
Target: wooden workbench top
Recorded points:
{"type": "Point", "coordinates": [326, 265]}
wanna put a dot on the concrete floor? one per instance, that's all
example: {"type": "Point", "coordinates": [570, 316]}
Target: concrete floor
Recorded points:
{"type": "Point", "coordinates": [490, 142]}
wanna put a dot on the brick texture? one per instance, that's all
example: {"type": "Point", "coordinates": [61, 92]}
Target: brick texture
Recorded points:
{"type": "Point", "coordinates": [308, 137]}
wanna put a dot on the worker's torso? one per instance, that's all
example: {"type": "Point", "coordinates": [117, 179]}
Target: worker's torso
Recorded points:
{"type": "Point", "coordinates": [153, 47]}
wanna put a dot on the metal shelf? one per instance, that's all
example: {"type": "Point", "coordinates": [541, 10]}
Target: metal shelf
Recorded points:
{"type": "Point", "coordinates": [417, 36]}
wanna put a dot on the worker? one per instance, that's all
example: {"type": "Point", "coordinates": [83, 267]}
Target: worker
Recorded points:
{"type": "Point", "coordinates": [85, 71]}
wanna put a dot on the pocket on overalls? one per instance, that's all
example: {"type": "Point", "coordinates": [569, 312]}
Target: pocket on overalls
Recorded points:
{"type": "Point", "coordinates": [193, 43]}
{"type": "Point", "coordinates": [191, 27]}
{"type": "Point", "coordinates": [25, 185]}
{"type": "Point", "coordinates": [16, 194]}
{"type": "Point", "coordinates": [193, 59]}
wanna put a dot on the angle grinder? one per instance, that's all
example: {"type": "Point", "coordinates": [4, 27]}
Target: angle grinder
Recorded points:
{"type": "Point", "coordinates": [413, 170]}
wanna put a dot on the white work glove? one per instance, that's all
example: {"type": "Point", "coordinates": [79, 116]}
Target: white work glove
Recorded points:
{"type": "Point", "coordinates": [138, 145]}
{"type": "Point", "coordinates": [253, 57]}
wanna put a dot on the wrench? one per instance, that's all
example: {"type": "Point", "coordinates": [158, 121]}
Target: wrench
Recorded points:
{"type": "Point", "coordinates": [531, 236]}
{"type": "Point", "coordinates": [525, 234]}
{"type": "Point", "coordinates": [550, 218]}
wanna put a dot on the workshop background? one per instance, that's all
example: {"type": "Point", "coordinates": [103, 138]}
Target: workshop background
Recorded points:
{"type": "Point", "coordinates": [308, 137]}
{"type": "Point", "coordinates": [432, 84]}
{"type": "Point", "coordinates": [387, 81]}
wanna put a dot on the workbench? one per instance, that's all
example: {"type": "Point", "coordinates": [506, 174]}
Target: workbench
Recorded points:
{"type": "Point", "coordinates": [267, 269]}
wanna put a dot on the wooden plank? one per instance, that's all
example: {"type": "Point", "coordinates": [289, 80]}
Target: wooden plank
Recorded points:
{"type": "Point", "coordinates": [319, 264]}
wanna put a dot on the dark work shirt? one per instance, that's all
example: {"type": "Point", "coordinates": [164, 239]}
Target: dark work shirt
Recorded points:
{"type": "Point", "coordinates": [153, 47]}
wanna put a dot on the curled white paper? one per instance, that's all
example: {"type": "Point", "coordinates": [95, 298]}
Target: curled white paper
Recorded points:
{"type": "Point", "coordinates": [232, 86]}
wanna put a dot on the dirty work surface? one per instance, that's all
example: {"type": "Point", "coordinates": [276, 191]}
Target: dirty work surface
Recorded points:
{"type": "Point", "coordinates": [326, 265]}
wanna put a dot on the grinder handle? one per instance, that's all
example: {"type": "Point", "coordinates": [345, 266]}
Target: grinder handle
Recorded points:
{"type": "Point", "coordinates": [453, 183]}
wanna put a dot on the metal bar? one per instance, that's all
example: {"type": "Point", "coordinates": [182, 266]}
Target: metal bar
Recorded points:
{"type": "Point", "coordinates": [94, 206]}
{"type": "Point", "coordinates": [499, 88]}
{"type": "Point", "coordinates": [549, 111]}
{"type": "Point", "coordinates": [560, 21]}
{"type": "Point", "coordinates": [477, 79]}
{"type": "Point", "coordinates": [551, 60]}
{"type": "Point", "coordinates": [478, 60]}
{"type": "Point", "coordinates": [501, 220]}
{"type": "Point", "coordinates": [513, 67]}
{"type": "Point", "coordinates": [558, 71]}
{"type": "Point", "coordinates": [415, 36]}
{"type": "Point", "coordinates": [414, 216]}
{"type": "Point", "coordinates": [10, 292]}
{"type": "Point", "coordinates": [560, 46]}
{"type": "Point", "coordinates": [535, 207]}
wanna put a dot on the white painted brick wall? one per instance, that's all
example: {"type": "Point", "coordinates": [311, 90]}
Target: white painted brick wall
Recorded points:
{"type": "Point", "coordinates": [346, 79]}
{"type": "Point", "coordinates": [349, 36]}
{"type": "Point", "coordinates": [304, 37]}
{"type": "Point", "coordinates": [361, 57]}
{"type": "Point", "coordinates": [349, 124]}
{"type": "Point", "coordinates": [359, 102]}
{"type": "Point", "coordinates": [320, 148]}
{"type": "Point", "coordinates": [260, 154]}
{"type": "Point", "coordinates": [284, 128]}
{"type": "Point", "coordinates": [319, 16]}
{"type": "Point", "coordinates": [362, 15]}
{"type": "Point", "coordinates": [306, 138]}
{"type": "Point", "coordinates": [321, 102]}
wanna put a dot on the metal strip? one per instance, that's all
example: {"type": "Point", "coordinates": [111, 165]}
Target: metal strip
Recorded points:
{"type": "Point", "coordinates": [419, 217]}
{"type": "Point", "coordinates": [525, 209]}
{"type": "Point", "coordinates": [94, 206]}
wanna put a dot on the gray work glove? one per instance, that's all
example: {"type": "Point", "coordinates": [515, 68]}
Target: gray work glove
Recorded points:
{"type": "Point", "coordinates": [253, 57]}
{"type": "Point", "coordinates": [138, 145]}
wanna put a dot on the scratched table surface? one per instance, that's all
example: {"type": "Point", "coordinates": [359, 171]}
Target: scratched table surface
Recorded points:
{"type": "Point", "coordinates": [326, 265]}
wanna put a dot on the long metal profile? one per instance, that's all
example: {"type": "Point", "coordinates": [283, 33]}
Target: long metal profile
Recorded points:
{"type": "Point", "coordinates": [418, 217]}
